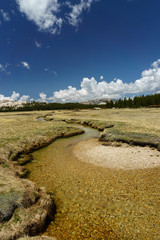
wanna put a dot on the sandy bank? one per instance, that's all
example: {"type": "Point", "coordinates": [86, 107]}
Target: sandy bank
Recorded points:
{"type": "Point", "coordinates": [119, 157]}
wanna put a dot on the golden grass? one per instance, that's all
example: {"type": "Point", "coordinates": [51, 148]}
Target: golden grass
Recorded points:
{"type": "Point", "coordinates": [22, 129]}
{"type": "Point", "coordinates": [126, 120]}
{"type": "Point", "coordinates": [21, 126]}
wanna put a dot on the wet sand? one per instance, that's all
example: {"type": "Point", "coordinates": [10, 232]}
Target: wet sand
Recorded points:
{"type": "Point", "coordinates": [96, 201]}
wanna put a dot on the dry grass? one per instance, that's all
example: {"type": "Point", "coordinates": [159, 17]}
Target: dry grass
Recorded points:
{"type": "Point", "coordinates": [23, 207]}
{"type": "Point", "coordinates": [22, 130]}
{"type": "Point", "coordinates": [125, 120]}
{"type": "Point", "coordinates": [18, 130]}
{"type": "Point", "coordinates": [37, 238]}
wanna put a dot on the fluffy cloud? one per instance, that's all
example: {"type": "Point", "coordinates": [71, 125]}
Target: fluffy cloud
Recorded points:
{"type": "Point", "coordinates": [74, 17]}
{"type": "Point", "coordinates": [5, 15]}
{"type": "Point", "coordinates": [42, 13]}
{"type": "Point", "coordinates": [101, 77]}
{"type": "Point", "coordinates": [91, 89]}
{"type": "Point", "coordinates": [25, 65]}
{"type": "Point", "coordinates": [43, 97]}
{"type": "Point", "coordinates": [15, 97]}
{"type": "Point", "coordinates": [45, 13]}
{"type": "Point", "coordinates": [24, 98]}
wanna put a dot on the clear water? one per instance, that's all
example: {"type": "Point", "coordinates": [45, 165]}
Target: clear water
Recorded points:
{"type": "Point", "coordinates": [95, 202]}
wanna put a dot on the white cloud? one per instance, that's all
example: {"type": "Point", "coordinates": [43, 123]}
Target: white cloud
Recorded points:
{"type": "Point", "coordinates": [4, 68]}
{"type": "Point", "coordinates": [43, 97]}
{"type": "Point", "coordinates": [13, 97]}
{"type": "Point", "coordinates": [25, 65]}
{"type": "Point", "coordinates": [101, 77]}
{"type": "Point", "coordinates": [24, 98]}
{"type": "Point", "coordinates": [91, 89]}
{"type": "Point", "coordinates": [45, 13]}
{"type": "Point", "coordinates": [5, 15]}
{"type": "Point", "coordinates": [156, 64]}
{"type": "Point", "coordinates": [42, 13]}
{"type": "Point", "coordinates": [38, 44]}
{"type": "Point", "coordinates": [74, 17]}
{"type": "Point", "coordinates": [53, 72]}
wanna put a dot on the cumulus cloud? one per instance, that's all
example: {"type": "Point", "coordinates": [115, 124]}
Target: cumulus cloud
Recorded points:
{"type": "Point", "coordinates": [43, 97]}
{"type": "Point", "coordinates": [42, 13]}
{"type": "Point", "coordinates": [25, 65]}
{"type": "Point", "coordinates": [24, 98]}
{"type": "Point", "coordinates": [149, 82]}
{"type": "Point", "coordinates": [5, 15]}
{"type": "Point", "coordinates": [74, 17]}
{"type": "Point", "coordinates": [92, 89]}
{"type": "Point", "coordinates": [38, 44]}
{"type": "Point", "coordinates": [101, 77]}
{"type": "Point", "coordinates": [156, 64]}
{"type": "Point", "coordinates": [15, 97]}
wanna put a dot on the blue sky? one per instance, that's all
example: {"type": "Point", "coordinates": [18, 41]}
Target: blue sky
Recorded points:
{"type": "Point", "coordinates": [55, 50]}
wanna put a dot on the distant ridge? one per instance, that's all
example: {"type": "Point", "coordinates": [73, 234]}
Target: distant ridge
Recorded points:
{"type": "Point", "coordinates": [97, 101]}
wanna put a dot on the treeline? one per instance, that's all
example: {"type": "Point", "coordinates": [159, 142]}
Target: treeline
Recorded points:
{"type": "Point", "coordinates": [136, 102]}
{"type": "Point", "coordinates": [35, 106]}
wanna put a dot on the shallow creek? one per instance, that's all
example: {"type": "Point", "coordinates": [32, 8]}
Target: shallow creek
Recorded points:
{"type": "Point", "coordinates": [96, 202]}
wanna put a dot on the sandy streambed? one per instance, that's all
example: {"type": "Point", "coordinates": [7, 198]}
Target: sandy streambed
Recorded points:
{"type": "Point", "coordinates": [95, 201]}
{"type": "Point", "coordinates": [123, 157]}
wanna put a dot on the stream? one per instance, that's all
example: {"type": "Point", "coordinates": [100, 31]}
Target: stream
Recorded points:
{"type": "Point", "coordinates": [94, 202]}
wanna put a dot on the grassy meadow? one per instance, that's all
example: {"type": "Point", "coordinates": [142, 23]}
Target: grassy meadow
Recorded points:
{"type": "Point", "coordinates": [141, 120]}
{"type": "Point", "coordinates": [22, 132]}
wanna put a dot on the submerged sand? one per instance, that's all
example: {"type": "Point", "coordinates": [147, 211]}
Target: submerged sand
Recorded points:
{"type": "Point", "coordinates": [124, 157]}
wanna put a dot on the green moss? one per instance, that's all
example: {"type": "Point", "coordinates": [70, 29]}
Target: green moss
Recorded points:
{"type": "Point", "coordinates": [16, 217]}
{"type": "Point", "coordinates": [5, 165]}
{"type": "Point", "coordinates": [141, 139]}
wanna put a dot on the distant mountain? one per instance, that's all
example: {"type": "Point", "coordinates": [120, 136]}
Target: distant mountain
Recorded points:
{"type": "Point", "coordinates": [97, 101]}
